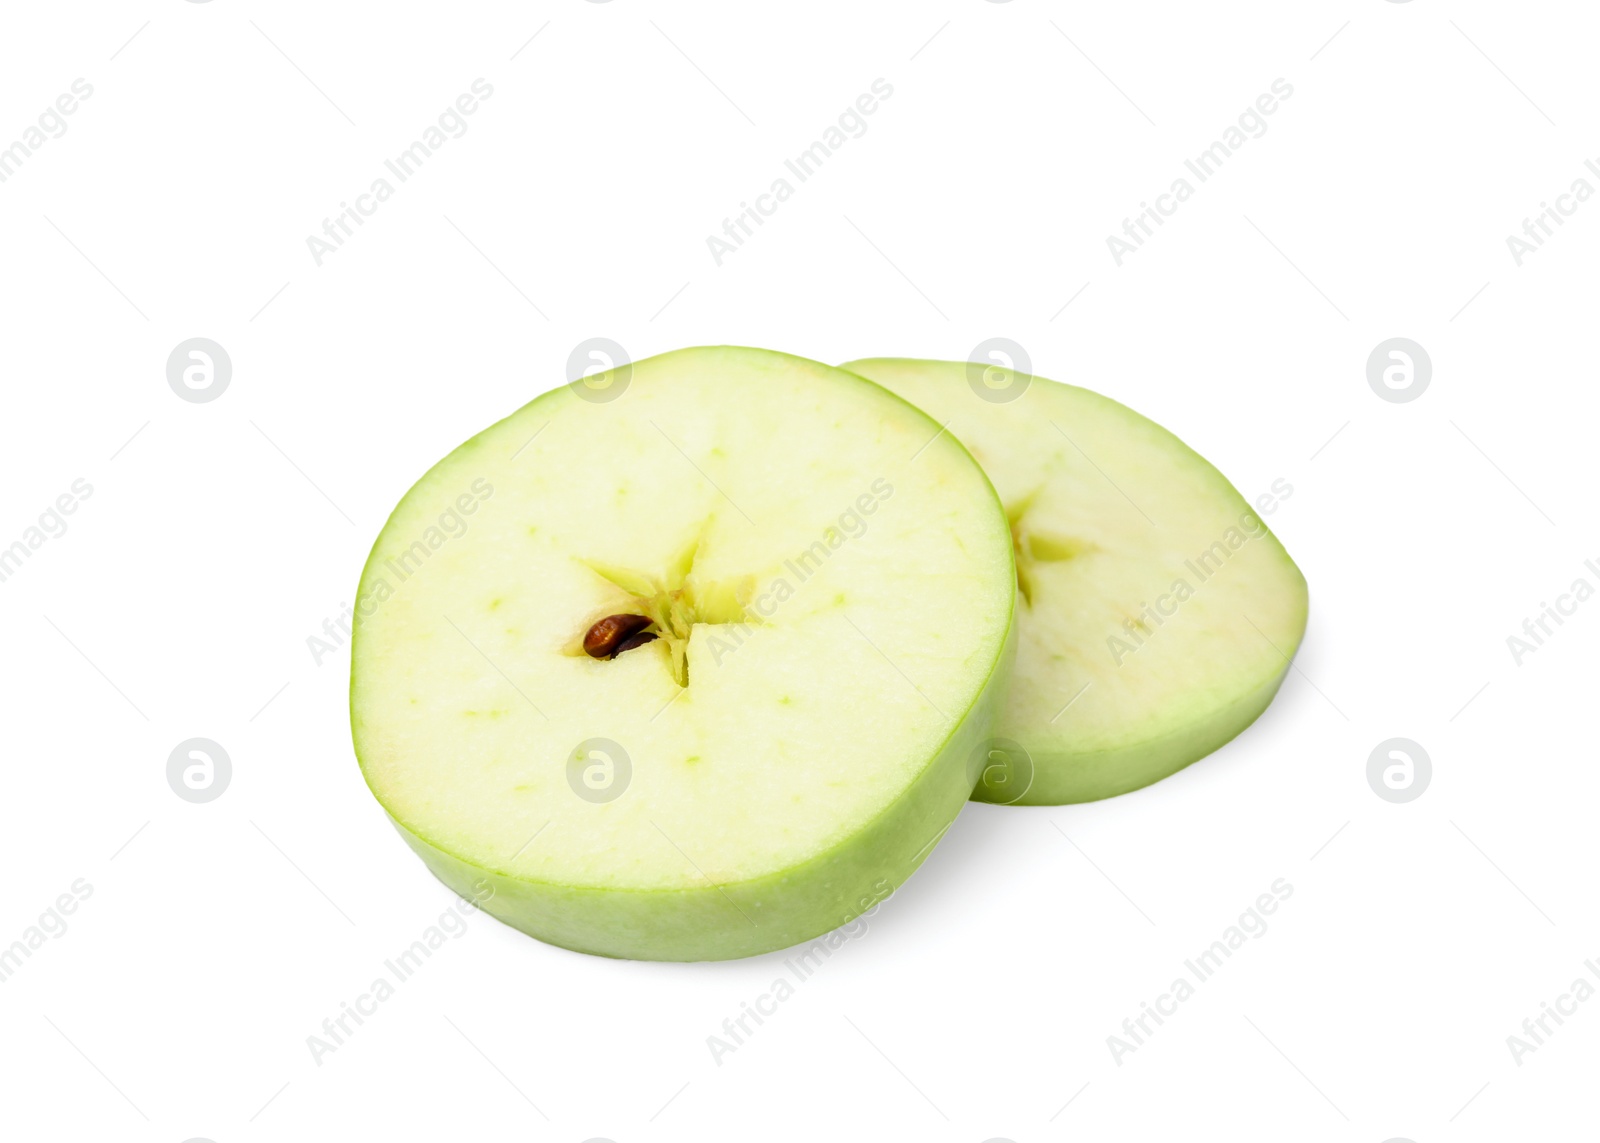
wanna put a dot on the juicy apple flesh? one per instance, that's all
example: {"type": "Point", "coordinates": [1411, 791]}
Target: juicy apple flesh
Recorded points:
{"type": "Point", "coordinates": [830, 584]}
{"type": "Point", "coordinates": [1157, 615]}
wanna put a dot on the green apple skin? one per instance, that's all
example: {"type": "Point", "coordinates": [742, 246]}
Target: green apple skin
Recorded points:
{"type": "Point", "coordinates": [752, 917]}
{"type": "Point", "coordinates": [1078, 759]}
{"type": "Point", "coordinates": [706, 921]}
{"type": "Point", "coordinates": [1063, 778]}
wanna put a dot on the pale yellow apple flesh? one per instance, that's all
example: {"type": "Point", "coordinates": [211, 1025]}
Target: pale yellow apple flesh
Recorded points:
{"type": "Point", "coordinates": [1158, 614]}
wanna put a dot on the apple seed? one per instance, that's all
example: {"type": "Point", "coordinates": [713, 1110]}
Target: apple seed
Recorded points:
{"type": "Point", "coordinates": [632, 641]}
{"type": "Point", "coordinates": [601, 641]}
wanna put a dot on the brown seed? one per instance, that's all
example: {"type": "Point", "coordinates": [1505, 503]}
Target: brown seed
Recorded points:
{"type": "Point", "coordinates": [633, 641]}
{"type": "Point", "coordinates": [601, 640]}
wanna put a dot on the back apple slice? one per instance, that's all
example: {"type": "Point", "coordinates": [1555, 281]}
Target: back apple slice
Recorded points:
{"type": "Point", "coordinates": [687, 661]}
{"type": "Point", "coordinates": [1158, 615]}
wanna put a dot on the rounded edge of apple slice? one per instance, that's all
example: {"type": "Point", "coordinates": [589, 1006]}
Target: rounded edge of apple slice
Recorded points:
{"type": "Point", "coordinates": [1068, 777]}
{"type": "Point", "coordinates": [744, 918]}
{"type": "Point", "coordinates": [1075, 777]}
{"type": "Point", "coordinates": [761, 915]}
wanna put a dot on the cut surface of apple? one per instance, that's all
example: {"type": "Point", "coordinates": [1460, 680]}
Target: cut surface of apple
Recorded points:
{"type": "Point", "coordinates": [829, 582]}
{"type": "Point", "coordinates": [1157, 613]}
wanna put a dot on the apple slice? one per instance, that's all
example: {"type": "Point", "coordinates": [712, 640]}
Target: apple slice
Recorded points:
{"type": "Point", "coordinates": [689, 660]}
{"type": "Point", "coordinates": [1158, 614]}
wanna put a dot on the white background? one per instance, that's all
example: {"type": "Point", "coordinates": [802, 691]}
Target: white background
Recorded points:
{"type": "Point", "coordinates": [220, 536]}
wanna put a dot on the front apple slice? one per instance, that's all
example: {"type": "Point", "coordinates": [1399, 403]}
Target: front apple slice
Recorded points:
{"type": "Point", "coordinates": [689, 661]}
{"type": "Point", "coordinates": [1158, 614]}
